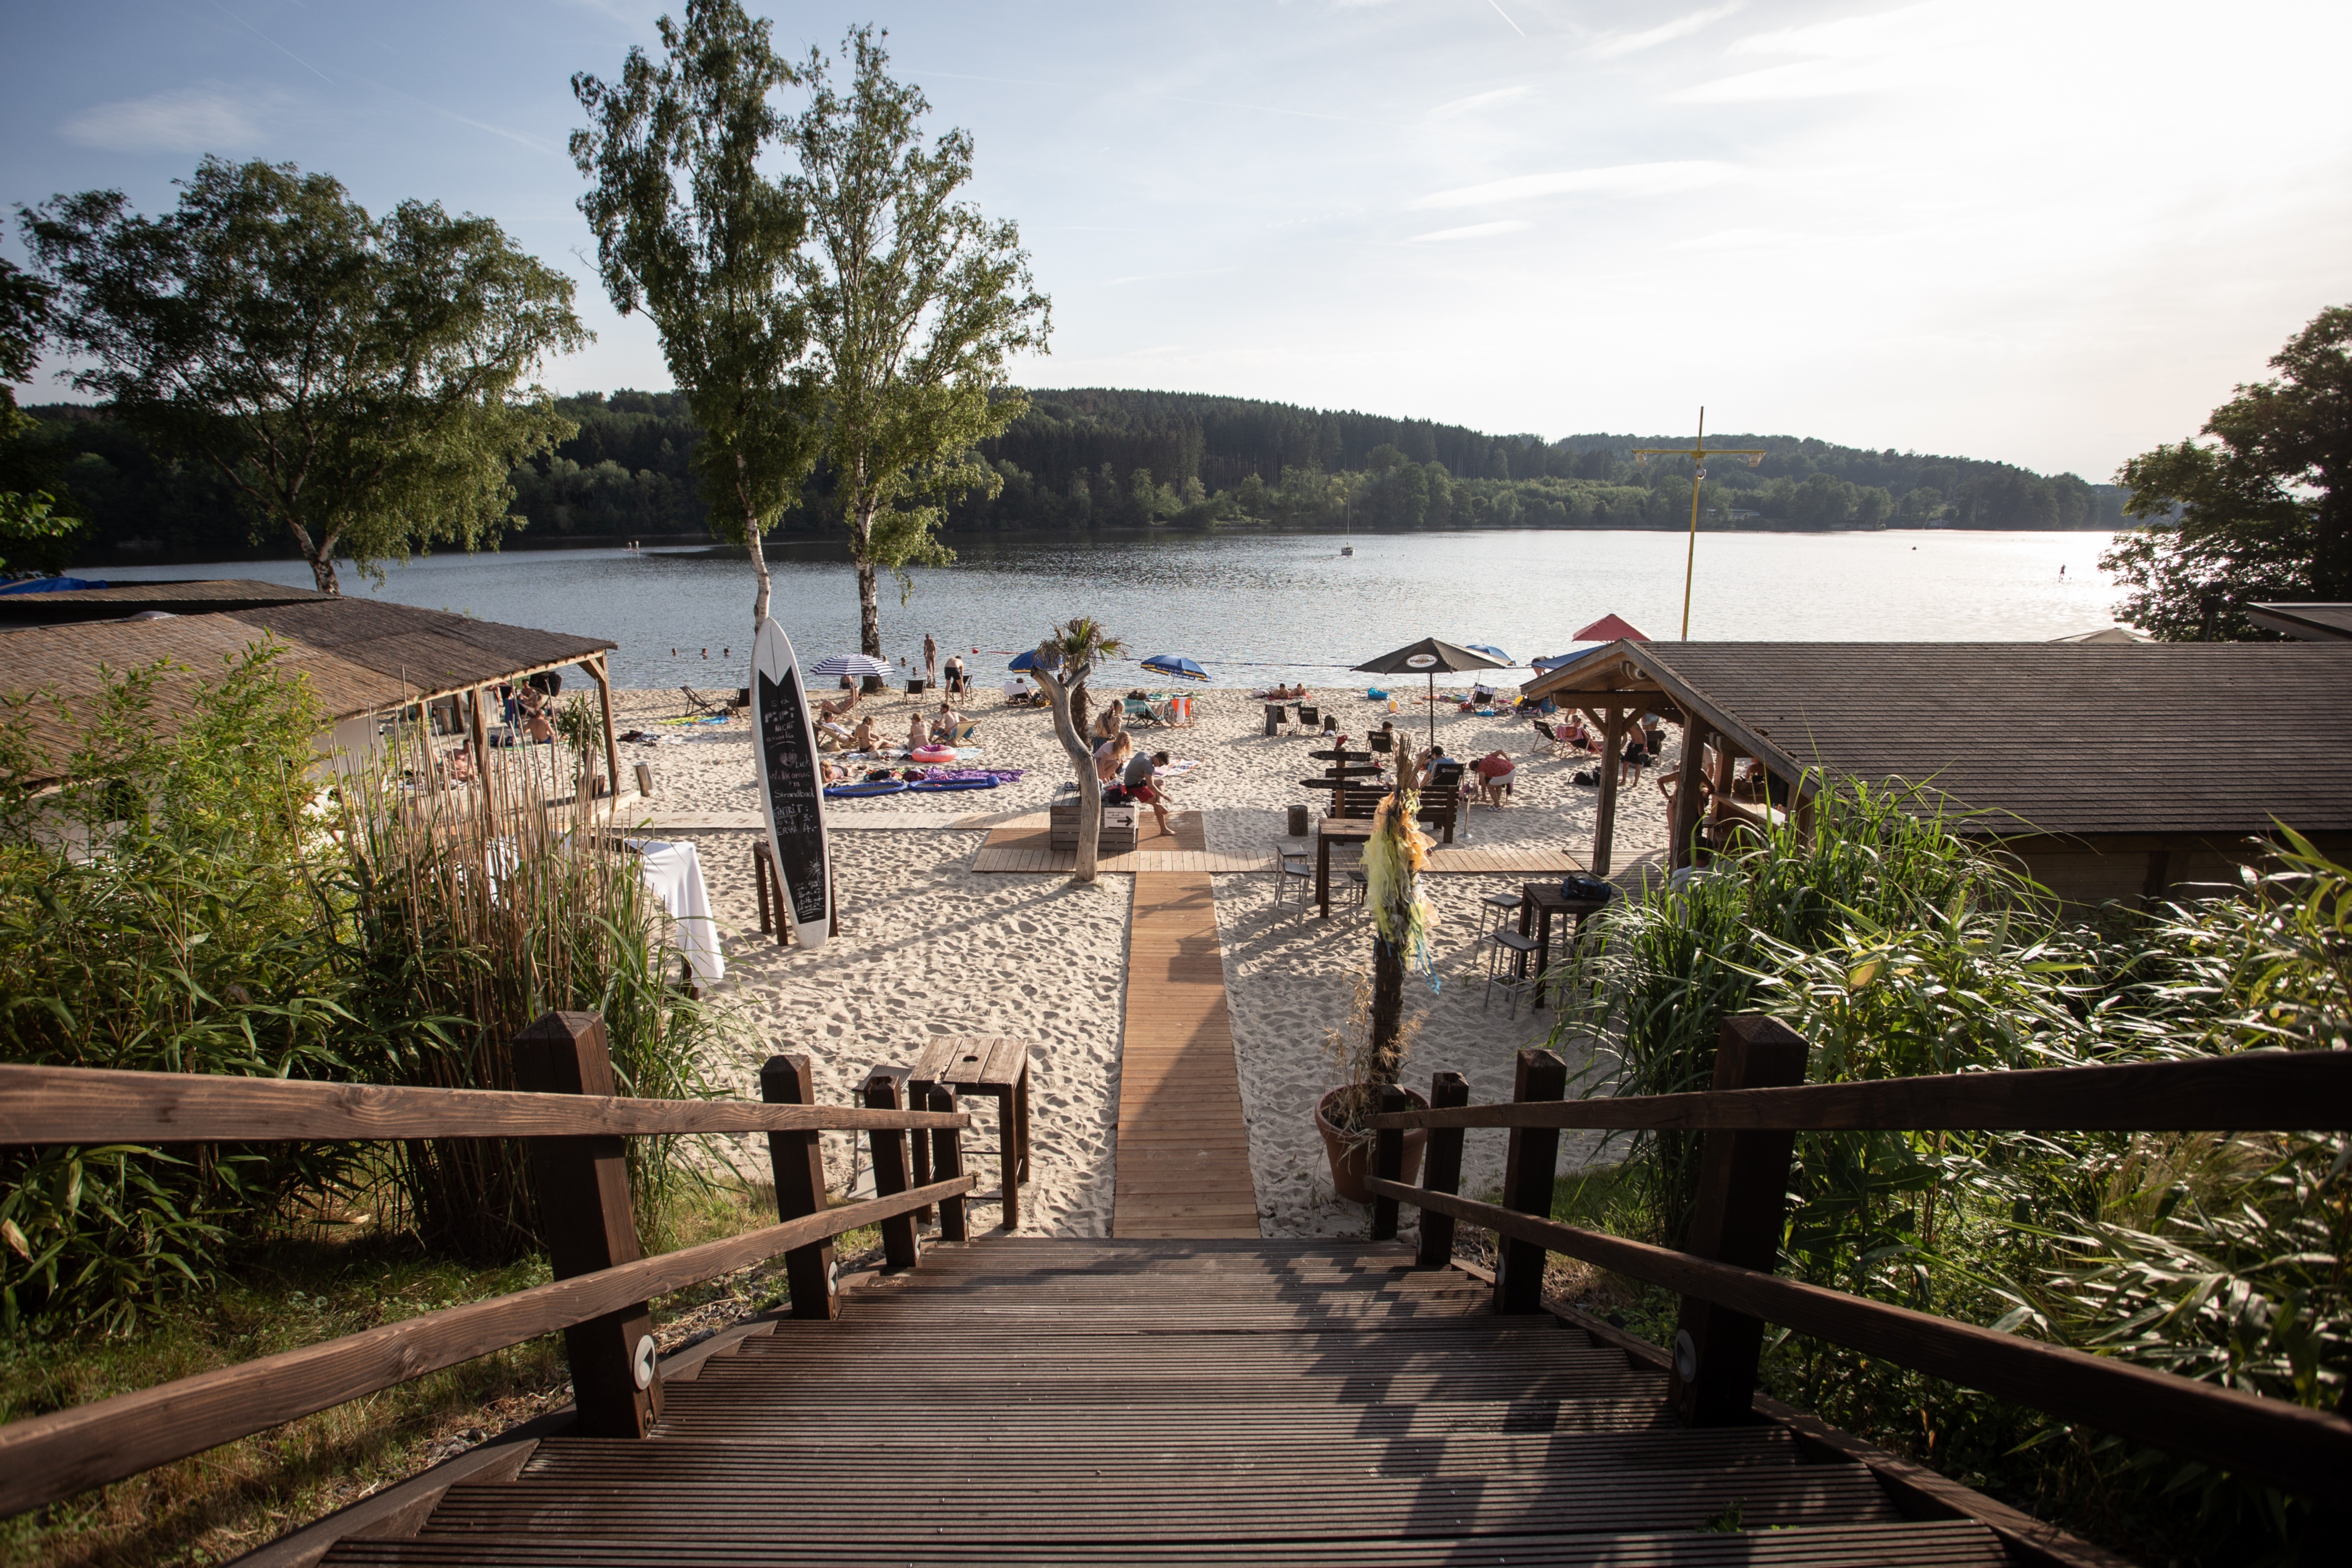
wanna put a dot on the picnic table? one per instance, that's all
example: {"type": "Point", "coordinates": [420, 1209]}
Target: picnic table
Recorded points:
{"type": "Point", "coordinates": [998, 1067]}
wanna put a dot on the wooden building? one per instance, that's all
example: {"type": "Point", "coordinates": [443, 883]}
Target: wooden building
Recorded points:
{"type": "Point", "coordinates": [362, 657]}
{"type": "Point", "coordinates": [2110, 770]}
{"type": "Point", "coordinates": [2311, 623]}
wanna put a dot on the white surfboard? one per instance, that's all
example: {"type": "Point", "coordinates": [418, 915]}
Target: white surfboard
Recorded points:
{"type": "Point", "coordinates": [783, 735]}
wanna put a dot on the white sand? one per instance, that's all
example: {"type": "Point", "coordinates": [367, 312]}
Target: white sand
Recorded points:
{"type": "Point", "coordinates": [930, 947]}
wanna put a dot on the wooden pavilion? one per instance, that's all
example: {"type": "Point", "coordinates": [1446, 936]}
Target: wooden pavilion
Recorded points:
{"type": "Point", "coordinates": [362, 657]}
{"type": "Point", "coordinates": [2110, 769]}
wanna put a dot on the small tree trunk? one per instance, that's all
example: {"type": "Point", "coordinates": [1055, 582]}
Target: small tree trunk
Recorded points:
{"type": "Point", "coordinates": [1387, 1007]}
{"type": "Point", "coordinates": [321, 560]}
{"type": "Point", "coordinates": [759, 554]}
{"type": "Point", "coordinates": [1069, 706]}
{"type": "Point", "coordinates": [869, 609]}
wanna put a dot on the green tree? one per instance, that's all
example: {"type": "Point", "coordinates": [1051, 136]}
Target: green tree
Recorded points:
{"type": "Point", "coordinates": [1067, 657]}
{"type": "Point", "coordinates": [33, 526]}
{"type": "Point", "coordinates": [690, 231]}
{"type": "Point", "coordinates": [916, 302]}
{"type": "Point", "coordinates": [360, 382]}
{"type": "Point", "coordinates": [2264, 512]}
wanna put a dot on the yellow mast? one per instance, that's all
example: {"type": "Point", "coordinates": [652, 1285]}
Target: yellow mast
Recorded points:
{"type": "Point", "coordinates": [1698, 453]}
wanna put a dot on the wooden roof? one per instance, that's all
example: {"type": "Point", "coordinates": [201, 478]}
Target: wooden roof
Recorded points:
{"type": "Point", "coordinates": [2204, 739]}
{"type": "Point", "coordinates": [2313, 621]}
{"type": "Point", "coordinates": [360, 656]}
{"type": "Point", "coordinates": [120, 599]}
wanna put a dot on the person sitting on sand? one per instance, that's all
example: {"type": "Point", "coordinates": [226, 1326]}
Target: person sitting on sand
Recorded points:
{"type": "Point", "coordinates": [862, 738]}
{"type": "Point", "coordinates": [459, 769]}
{"type": "Point", "coordinates": [1137, 778]}
{"type": "Point", "coordinates": [1111, 756]}
{"type": "Point", "coordinates": [1106, 723]}
{"type": "Point", "coordinates": [1495, 771]}
{"type": "Point", "coordinates": [917, 735]}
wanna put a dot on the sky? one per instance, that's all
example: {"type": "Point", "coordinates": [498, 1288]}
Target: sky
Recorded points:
{"type": "Point", "coordinates": [2051, 233]}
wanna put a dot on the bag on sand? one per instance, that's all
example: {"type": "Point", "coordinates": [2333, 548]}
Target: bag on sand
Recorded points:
{"type": "Point", "coordinates": [1588, 778]}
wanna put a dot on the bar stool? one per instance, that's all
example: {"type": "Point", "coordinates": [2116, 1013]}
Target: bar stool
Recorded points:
{"type": "Point", "coordinates": [1513, 974]}
{"type": "Point", "coordinates": [1294, 863]}
{"type": "Point", "coordinates": [1502, 906]}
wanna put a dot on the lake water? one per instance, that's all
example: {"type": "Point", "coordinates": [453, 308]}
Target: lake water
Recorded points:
{"type": "Point", "coordinates": [1257, 607]}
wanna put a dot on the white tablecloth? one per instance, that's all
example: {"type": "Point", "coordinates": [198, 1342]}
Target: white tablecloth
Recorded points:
{"type": "Point", "coordinates": [673, 873]}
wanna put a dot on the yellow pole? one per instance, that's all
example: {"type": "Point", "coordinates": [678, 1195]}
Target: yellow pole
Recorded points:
{"type": "Point", "coordinates": [1690, 560]}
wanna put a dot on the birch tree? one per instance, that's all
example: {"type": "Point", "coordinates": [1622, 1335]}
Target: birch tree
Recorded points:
{"type": "Point", "coordinates": [1069, 654]}
{"type": "Point", "coordinates": [916, 302]}
{"type": "Point", "coordinates": [692, 233]}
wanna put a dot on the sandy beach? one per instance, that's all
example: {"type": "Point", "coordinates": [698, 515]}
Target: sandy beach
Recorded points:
{"type": "Point", "coordinates": [927, 946]}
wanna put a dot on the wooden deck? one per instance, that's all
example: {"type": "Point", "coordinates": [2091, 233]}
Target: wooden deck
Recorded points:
{"type": "Point", "coordinates": [1019, 844]}
{"type": "Point", "coordinates": [1184, 1165]}
{"type": "Point", "coordinates": [1030, 1400]}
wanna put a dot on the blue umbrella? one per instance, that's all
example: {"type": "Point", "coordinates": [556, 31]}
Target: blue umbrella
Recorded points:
{"type": "Point", "coordinates": [1175, 664]}
{"type": "Point", "coordinates": [1025, 660]}
{"type": "Point", "coordinates": [850, 664]}
{"type": "Point", "coordinates": [1491, 651]}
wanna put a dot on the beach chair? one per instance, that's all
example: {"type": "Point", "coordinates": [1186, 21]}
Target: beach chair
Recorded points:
{"type": "Point", "coordinates": [966, 733]}
{"type": "Point", "coordinates": [1553, 746]}
{"type": "Point", "coordinates": [700, 703]}
{"type": "Point", "coordinates": [1136, 710]}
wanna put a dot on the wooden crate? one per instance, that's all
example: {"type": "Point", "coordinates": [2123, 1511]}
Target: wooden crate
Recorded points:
{"type": "Point", "coordinates": [1117, 829]}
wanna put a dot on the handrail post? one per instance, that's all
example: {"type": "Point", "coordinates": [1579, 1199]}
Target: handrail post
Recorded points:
{"type": "Point", "coordinates": [900, 1247]}
{"type": "Point", "coordinates": [797, 1159]}
{"type": "Point", "coordinates": [1742, 1205]}
{"type": "Point", "coordinates": [1441, 1169]}
{"type": "Point", "coordinates": [919, 1145]}
{"type": "Point", "coordinates": [1388, 1161]}
{"type": "Point", "coordinates": [1527, 1182]}
{"type": "Point", "coordinates": [585, 1217]}
{"type": "Point", "coordinates": [946, 1165]}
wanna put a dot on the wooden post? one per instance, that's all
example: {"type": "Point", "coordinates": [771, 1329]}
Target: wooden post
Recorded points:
{"type": "Point", "coordinates": [604, 679]}
{"type": "Point", "coordinates": [919, 1150]}
{"type": "Point", "coordinates": [1682, 819]}
{"type": "Point", "coordinates": [946, 1165]}
{"type": "Point", "coordinates": [900, 1247]}
{"type": "Point", "coordinates": [481, 737]}
{"type": "Point", "coordinates": [582, 1188]}
{"type": "Point", "coordinates": [1742, 1202]}
{"type": "Point", "coordinates": [1526, 1183]}
{"type": "Point", "coordinates": [1388, 1161]}
{"type": "Point", "coordinates": [1441, 1169]}
{"type": "Point", "coordinates": [1604, 818]}
{"type": "Point", "coordinates": [797, 1159]}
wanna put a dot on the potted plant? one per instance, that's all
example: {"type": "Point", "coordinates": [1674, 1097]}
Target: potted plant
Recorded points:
{"type": "Point", "coordinates": [1369, 1048]}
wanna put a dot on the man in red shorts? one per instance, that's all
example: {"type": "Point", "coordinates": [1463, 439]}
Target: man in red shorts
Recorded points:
{"type": "Point", "coordinates": [1135, 779]}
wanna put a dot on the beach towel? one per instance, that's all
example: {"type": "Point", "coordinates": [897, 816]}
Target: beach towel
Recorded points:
{"type": "Point", "coordinates": [673, 874]}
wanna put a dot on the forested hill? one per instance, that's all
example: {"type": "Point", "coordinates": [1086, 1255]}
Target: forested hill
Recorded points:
{"type": "Point", "coordinates": [1098, 457]}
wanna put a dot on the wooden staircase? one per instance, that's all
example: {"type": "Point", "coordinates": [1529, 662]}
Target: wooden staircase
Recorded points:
{"type": "Point", "coordinates": [1211, 1401]}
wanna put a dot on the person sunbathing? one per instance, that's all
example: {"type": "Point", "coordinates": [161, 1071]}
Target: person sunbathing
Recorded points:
{"type": "Point", "coordinates": [862, 738]}
{"type": "Point", "coordinates": [917, 736]}
{"type": "Point", "coordinates": [943, 725]}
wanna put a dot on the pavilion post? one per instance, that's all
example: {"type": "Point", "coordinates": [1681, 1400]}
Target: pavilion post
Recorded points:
{"type": "Point", "coordinates": [1682, 822]}
{"type": "Point", "coordinates": [1604, 820]}
{"type": "Point", "coordinates": [597, 672]}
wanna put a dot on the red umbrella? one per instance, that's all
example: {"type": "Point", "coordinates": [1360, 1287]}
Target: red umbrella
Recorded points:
{"type": "Point", "coordinates": [1610, 629]}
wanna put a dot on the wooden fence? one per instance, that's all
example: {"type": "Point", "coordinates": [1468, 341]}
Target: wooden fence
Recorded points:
{"type": "Point", "coordinates": [580, 1179]}
{"type": "Point", "coordinates": [1750, 1118]}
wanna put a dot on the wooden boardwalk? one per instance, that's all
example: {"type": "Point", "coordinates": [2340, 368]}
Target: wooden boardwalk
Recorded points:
{"type": "Point", "coordinates": [1019, 846]}
{"type": "Point", "coordinates": [1172, 1403]}
{"type": "Point", "coordinates": [1184, 1165]}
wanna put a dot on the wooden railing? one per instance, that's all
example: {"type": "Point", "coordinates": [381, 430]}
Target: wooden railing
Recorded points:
{"type": "Point", "coordinates": [1750, 1119]}
{"type": "Point", "coordinates": [580, 1179]}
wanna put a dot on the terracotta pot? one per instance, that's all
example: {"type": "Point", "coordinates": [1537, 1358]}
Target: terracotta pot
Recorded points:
{"type": "Point", "coordinates": [1352, 1161]}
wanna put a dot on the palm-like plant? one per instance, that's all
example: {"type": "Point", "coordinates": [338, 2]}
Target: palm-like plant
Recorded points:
{"type": "Point", "coordinates": [1067, 657]}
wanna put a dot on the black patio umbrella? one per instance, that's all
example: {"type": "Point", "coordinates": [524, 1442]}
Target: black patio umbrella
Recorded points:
{"type": "Point", "coordinates": [1430, 655]}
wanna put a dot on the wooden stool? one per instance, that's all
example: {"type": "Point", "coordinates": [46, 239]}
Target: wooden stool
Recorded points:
{"type": "Point", "coordinates": [998, 1067]}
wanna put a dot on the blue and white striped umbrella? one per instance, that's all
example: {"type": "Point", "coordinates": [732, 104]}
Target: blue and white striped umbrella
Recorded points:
{"type": "Point", "coordinates": [850, 664]}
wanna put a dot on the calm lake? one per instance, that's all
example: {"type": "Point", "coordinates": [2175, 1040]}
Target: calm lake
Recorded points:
{"type": "Point", "coordinates": [1257, 607]}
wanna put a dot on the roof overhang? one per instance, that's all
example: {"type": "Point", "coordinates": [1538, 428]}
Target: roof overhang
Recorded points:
{"type": "Point", "coordinates": [1636, 675]}
{"type": "Point", "coordinates": [2311, 622]}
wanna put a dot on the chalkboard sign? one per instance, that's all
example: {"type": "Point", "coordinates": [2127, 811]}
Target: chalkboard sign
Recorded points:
{"type": "Point", "coordinates": [790, 791]}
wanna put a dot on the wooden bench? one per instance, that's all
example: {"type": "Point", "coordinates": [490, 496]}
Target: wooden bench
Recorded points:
{"type": "Point", "coordinates": [1440, 805]}
{"type": "Point", "coordinates": [1116, 838]}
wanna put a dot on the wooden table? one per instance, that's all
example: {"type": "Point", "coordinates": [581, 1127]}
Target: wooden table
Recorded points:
{"type": "Point", "coordinates": [1347, 830]}
{"type": "Point", "coordinates": [997, 1067]}
{"type": "Point", "coordinates": [1538, 901]}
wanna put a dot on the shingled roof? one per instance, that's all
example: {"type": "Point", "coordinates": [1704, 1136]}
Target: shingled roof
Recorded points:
{"type": "Point", "coordinates": [2315, 622]}
{"type": "Point", "coordinates": [2077, 739]}
{"type": "Point", "coordinates": [360, 656]}
{"type": "Point", "coordinates": [120, 599]}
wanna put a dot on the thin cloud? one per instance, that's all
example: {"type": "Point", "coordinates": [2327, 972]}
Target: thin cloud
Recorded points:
{"type": "Point", "coordinates": [1620, 179]}
{"type": "Point", "coordinates": [186, 120]}
{"type": "Point", "coordinates": [1614, 45]}
{"type": "Point", "coordinates": [1471, 231]}
{"type": "Point", "coordinates": [1506, 16]}
{"type": "Point", "coordinates": [1887, 52]}
{"type": "Point", "coordinates": [1478, 100]}
{"type": "Point", "coordinates": [1163, 277]}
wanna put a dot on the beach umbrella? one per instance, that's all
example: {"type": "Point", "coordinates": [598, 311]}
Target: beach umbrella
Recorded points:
{"type": "Point", "coordinates": [856, 664]}
{"type": "Point", "coordinates": [1611, 629]}
{"type": "Point", "coordinates": [1491, 651]}
{"type": "Point", "coordinates": [1025, 660]}
{"type": "Point", "coordinates": [1175, 664]}
{"type": "Point", "coordinates": [1428, 656]}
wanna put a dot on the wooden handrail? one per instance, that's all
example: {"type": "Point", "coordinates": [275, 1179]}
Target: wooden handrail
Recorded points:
{"type": "Point", "coordinates": [2303, 1089]}
{"type": "Point", "coordinates": [2306, 1450]}
{"type": "Point", "coordinates": [101, 1105]}
{"type": "Point", "coordinates": [51, 1457]}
